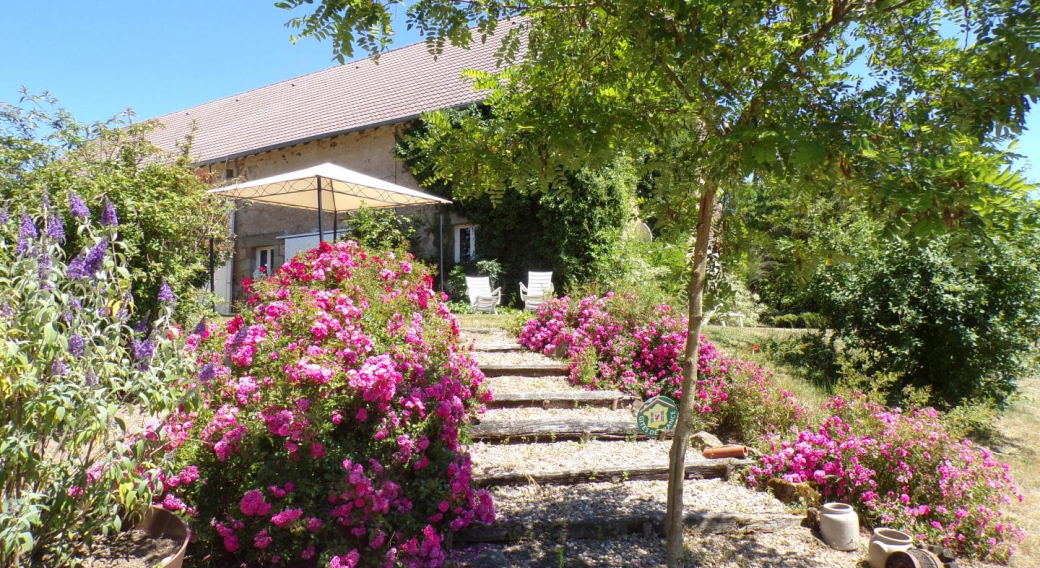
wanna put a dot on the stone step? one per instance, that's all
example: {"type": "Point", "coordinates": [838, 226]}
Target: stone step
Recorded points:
{"type": "Point", "coordinates": [527, 370]}
{"type": "Point", "coordinates": [554, 427]}
{"type": "Point", "coordinates": [562, 399]}
{"type": "Point", "coordinates": [702, 469]}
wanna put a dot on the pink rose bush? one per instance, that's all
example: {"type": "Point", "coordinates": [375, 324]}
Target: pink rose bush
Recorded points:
{"type": "Point", "coordinates": [614, 343]}
{"type": "Point", "coordinates": [898, 468]}
{"type": "Point", "coordinates": [902, 469]}
{"type": "Point", "coordinates": [329, 417]}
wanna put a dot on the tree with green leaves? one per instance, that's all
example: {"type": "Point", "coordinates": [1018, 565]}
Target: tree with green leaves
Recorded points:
{"type": "Point", "coordinates": [890, 102]}
{"type": "Point", "coordinates": [169, 225]}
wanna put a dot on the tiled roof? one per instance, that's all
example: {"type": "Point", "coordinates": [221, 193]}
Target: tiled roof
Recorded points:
{"type": "Point", "coordinates": [346, 98]}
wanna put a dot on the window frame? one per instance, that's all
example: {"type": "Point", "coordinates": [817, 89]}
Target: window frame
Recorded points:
{"type": "Point", "coordinates": [269, 249]}
{"type": "Point", "coordinates": [457, 232]}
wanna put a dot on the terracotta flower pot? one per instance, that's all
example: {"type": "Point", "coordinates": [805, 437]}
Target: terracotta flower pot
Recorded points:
{"type": "Point", "coordinates": [725, 452]}
{"type": "Point", "coordinates": [160, 523]}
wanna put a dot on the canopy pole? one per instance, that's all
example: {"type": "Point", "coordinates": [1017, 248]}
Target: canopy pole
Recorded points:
{"type": "Point", "coordinates": [321, 233]}
{"type": "Point", "coordinates": [440, 267]}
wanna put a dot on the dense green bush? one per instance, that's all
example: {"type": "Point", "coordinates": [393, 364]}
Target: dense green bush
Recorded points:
{"type": "Point", "coordinates": [573, 230]}
{"type": "Point", "coordinates": [76, 384]}
{"type": "Point", "coordinates": [379, 229]}
{"type": "Point", "coordinates": [958, 317]}
{"type": "Point", "coordinates": [168, 220]}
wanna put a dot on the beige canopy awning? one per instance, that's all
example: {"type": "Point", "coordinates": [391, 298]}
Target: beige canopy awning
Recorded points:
{"type": "Point", "coordinates": [332, 188]}
{"type": "Point", "coordinates": [328, 187]}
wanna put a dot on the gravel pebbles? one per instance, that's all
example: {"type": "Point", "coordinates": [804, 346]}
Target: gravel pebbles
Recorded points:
{"type": "Point", "coordinates": [502, 358]}
{"type": "Point", "coordinates": [612, 553]}
{"type": "Point", "coordinates": [555, 456]}
{"type": "Point", "coordinates": [592, 501]}
{"type": "Point", "coordinates": [530, 384]}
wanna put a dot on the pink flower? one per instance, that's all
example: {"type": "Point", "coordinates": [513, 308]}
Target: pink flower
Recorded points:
{"type": "Point", "coordinates": [253, 504]}
{"type": "Point", "coordinates": [286, 517]}
{"type": "Point", "coordinates": [262, 540]}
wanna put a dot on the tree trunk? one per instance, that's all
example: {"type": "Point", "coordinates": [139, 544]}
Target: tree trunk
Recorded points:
{"type": "Point", "coordinates": [681, 440]}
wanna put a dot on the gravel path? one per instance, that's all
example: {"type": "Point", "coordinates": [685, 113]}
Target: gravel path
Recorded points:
{"type": "Point", "coordinates": [530, 384]}
{"type": "Point", "coordinates": [554, 456]}
{"type": "Point", "coordinates": [614, 553]}
{"type": "Point", "coordinates": [501, 358]}
{"type": "Point", "coordinates": [592, 501]}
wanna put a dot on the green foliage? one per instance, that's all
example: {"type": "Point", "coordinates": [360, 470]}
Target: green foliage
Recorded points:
{"type": "Point", "coordinates": [958, 318]}
{"type": "Point", "coordinates": [74, 378]}
{"type": "Point", "coordinates": [167, 218]}
{"type": "Point", "coordinates": [574, 230]}
{"type": "Point", "coordinates": [380, 229]}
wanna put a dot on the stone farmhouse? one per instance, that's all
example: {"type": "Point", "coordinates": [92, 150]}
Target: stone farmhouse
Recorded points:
{"type": "Point", "coordinates": [348, 115]}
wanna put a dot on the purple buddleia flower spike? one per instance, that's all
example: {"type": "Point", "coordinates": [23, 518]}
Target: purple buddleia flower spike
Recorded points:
{"type": "Point", "coordinates": [27, 233]}
{"type": "Point", "coordinates": [4, 216]}
{"type": "Point", "coordinates": [59, 368]}
{"type": "Point", "coordinates": [44, 273]}
{"type": "Point", "coordinates": [166, 295]}
{"type": "Point", "coordinates": [108, 215]}
{"type": "Point", "coordinates": [76, 345]}
{"type": "Point", "coordinates": [208, 373]}
{"type": "Point", "coordinates": [45, 202]}
{"type": "Point", "coordinates": [91, 378]}
{"type": "Point", "coordinates": [77, 207]}
{"type": "Point", "coordinates": [143, 349]}
{"type": "Point", "coordinates": [141, 326]}
{"type": "Point", "coordinates": [56, 229]}
{"type": "Point", "coordinates": [88, 264]}
{"type": "Point", "coordinates": [76, 304]}
{"type": "Point", "coordinates": [200, 327]}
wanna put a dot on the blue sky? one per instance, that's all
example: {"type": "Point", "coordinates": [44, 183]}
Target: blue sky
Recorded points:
{"type": "Point", "coordinates": [99, 57]}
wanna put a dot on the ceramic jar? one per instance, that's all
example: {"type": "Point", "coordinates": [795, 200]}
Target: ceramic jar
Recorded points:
{"type": "Point", "coordinates": [839, 526]}
{"type": "Point", "coordinates": [885, 542]}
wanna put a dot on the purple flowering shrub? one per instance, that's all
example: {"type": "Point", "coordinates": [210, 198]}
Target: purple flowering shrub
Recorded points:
{"type": "Point", "coordinates": [902, 469]}
{"type": "Point", "coordinates": [329, 432]}
{"type": "Point", "coordinates": [72, 374]}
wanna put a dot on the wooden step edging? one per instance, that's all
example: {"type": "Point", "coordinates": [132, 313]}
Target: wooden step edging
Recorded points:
{"type": "Point", "coordinates": [555, 429]}
{"type": "Point", "coordinates": [525, 370]}
{"type": "Point", "coordinates": [562, 399]}
{"type": "Point", "coordinates": [707, 469]}
{"type": "Point", "coordinates": [647, 524]}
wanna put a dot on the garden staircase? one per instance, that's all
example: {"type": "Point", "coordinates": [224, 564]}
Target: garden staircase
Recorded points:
{"type": "Point", "coordinates": [571, 474]}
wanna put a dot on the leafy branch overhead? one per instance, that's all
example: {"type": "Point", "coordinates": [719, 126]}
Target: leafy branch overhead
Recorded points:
{"type": "Point", "coordinates": [862, 93]}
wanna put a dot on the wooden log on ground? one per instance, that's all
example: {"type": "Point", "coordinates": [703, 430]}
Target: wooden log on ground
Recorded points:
{"type": "Point", "coordinates": [549, 370]}
{"type": "Point", "coordinates": [562, 399]}
{"type": "Point", "coordinates": [715, 469]}
{"type": "Point", "coordinates": [555, 429]}
{"type": "Point", "coordinates": [625, 524]}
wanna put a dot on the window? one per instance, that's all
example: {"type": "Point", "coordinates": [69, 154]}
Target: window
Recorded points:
{"type": "Point", "coordinates": [264, 262]}
{"type": "Point", "coordinates": [230, 174]}
{"type": "Point", "coordinates": [465, 243]}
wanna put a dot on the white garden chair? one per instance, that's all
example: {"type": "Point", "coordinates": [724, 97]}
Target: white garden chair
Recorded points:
{"type": "Point", "coordinates": [481, 296]}
{"type": "Point", "coordinates": [539, 288]}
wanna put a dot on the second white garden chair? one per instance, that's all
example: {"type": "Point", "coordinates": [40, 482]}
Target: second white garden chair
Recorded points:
{"type": "Point", "coordinates": [481, 297]}
{"type": "Point", "coordinates": [539, 288]}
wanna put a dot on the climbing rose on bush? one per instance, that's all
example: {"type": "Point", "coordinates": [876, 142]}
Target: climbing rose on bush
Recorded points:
{"type": "Point", "coordinates": [331, 417]}
{"type": "Point", "coordinates": [903, 470]}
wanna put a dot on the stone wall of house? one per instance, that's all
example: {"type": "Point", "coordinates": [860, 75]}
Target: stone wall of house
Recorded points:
{"type": "Point", "coordinates": [370, 152]}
